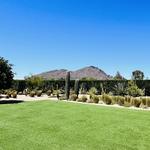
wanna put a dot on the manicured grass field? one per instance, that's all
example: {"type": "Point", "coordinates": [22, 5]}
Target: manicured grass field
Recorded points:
{"type": "Point", "coordinates": [50, 125]}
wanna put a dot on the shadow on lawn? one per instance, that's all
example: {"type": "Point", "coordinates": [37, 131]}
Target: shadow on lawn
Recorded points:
{"type": "Point", "coordinates": [10, 101]}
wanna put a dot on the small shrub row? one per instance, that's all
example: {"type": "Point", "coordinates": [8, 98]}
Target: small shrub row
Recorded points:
{"type": "Point", "coordinates": [36, 93]}
{"type": "Point", "coordinates": [82, 99]}
{"type": "Point", "coordinates": [73, 97]}
{"type": "Point", "coordinates": [95, 98]}
{"type": "Point", "coordinates": [126, 101]}
{"type": "Point", "coordinates": [10, 93]}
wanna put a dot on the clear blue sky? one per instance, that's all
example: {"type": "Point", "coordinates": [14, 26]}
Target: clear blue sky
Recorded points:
{"type": "Point", "coordinates": [41, 35]}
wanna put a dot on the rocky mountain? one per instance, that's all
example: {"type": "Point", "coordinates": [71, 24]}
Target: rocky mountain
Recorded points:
{"type": "Point", "coordinates": [87, 72]}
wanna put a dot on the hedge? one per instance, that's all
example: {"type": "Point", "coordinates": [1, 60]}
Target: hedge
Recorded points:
{"type": "Point", "coordinates": [106, 85]}
{"type": "Point", "coordinates": [19, 85]}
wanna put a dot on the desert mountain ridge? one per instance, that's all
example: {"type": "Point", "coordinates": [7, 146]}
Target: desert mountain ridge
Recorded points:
{"type": "Point", "coordinates": [86, 72]}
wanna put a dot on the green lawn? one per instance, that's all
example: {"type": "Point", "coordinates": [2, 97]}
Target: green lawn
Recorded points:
{"type": "Point", "coordinates": [49, 125]}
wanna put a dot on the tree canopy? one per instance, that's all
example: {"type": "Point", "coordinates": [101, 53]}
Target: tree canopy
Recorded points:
{"type": "Point", "coordinates": [34, 82]}
{"type": "Point", "coordinates": [6, 74]}
{"type": "Point", "coordinates": [137, 75]}
{"type": "Point", "coordinates": [118, 76]}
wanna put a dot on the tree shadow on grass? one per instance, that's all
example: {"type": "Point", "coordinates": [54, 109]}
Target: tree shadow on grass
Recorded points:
{"type": "Point", "coordinates": [10, 101]}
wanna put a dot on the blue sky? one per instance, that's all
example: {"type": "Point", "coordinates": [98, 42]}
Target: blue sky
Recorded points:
{"type": "Point", "coordinates": [42, 35]}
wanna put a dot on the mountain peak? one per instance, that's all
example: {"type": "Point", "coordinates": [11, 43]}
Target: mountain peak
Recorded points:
{"type": "Point", "coordinates": [86, 72]}
{"type": "Point", "coordinates": [92, 67]}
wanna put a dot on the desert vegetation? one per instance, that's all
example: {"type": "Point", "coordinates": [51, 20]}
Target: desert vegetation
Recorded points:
{"type": "Point", "coordinates": [56, 120]}
{"type": "Point", "coordinates": [117, 91]}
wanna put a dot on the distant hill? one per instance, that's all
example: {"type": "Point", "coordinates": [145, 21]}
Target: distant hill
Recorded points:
{"type": "Point", "coordinates": [87, 72]}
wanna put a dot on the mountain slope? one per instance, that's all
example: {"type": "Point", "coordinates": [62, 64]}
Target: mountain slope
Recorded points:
{"type": "Point", "coordinates": [87, 72]}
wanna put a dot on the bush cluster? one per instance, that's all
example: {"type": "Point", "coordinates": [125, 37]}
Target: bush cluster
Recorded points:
{"type": "Point", "coordinates": [10, 93]}
{"type": "Point", "coordinates": [82, 99]}
{"type": "Point", "coordinates": [73, 97]}
{"type": "Point", "coordinates": [95, 98]}
{"type": "Point", "coordinates": [126, 101]}
{"type": "Point", "coordinates": [32, 94]}
{"type": "Point", "coordinates": [39, 93]}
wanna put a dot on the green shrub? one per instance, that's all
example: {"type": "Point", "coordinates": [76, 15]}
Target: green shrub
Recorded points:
{"type": "Point", "coordinates": [82, 99]}
{"type": "Point", "coordinates": [73, 97]}
{"type": "Point", "coordinates": [39, 93]}
{"type": "Point", "coordinates": [121, 100]}
{"type": "Point", "coordinates": [1, 91]}
{"type": "Point", "coordinates": [8, 92]}
{"type": "Point", "coordinates": [92, 91]}
{"type": "Point", "coordinates": [148, 102]}
{"type": "Point", "coordinates": [26, 92]}
{"type": "Point", "coordinates": [32, 93]}
{"type": "Point", "coordinates": [133, 90]}
{"type": "Point", "coordinates": [34, 82]}
{"type": "Point", "coordinates": [49, 92]}
{"type": "Point", "coordinates": [100, 97]}
{"type": "Point", "coordinates": [143, 101]}
{"type": "Point", "coordinates": [128, 99]}
{"type": "Point", "coordinates": [54, 92]}
{"type": "Point", "coordinates": [114, 100]}
{"type": "Point", "coordinates": [19, 85]}
{"type": "Point", "coordinates": [127, 102]}
{"type": "Point", "coordinates": [106, 99]}
{"type": "Point", "coordinates": [95, 98]}
{"type": "Point", "coordinates": [136, 102]}
{"type": "Point", "coordinates": [14, 95]}
{"type": "Point", "coordinates": [120, 89]}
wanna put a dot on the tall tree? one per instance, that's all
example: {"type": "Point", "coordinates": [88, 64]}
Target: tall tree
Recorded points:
{"type": "Point", "coordinates": [34, 82]}
{"type": "Point", "coordinates": [67, 85]}
{"type": "Point", "coordinates": [6, 74]}
{"type": "Point", "coordinates": [137, 75]}
{"type": "Point", "coordinates": [118, 76]}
